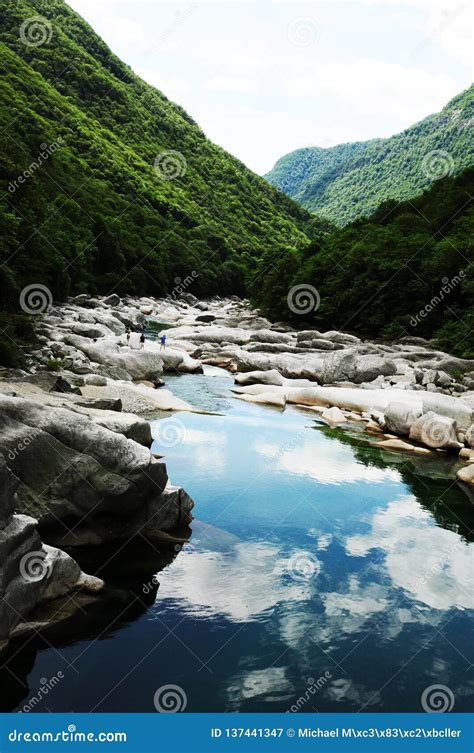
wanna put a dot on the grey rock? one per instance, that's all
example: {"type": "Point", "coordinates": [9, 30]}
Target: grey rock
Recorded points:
{"type": "Point", "coordinates": [112, 300]}
{"type": "Point", "coordinates": [205, 318]}
{"type": "Point", "coordinates": [400, 417]}
{"type": "Point", "coordinates": [435, 431]}
{"type": "Point", "coordinates": [72, 467]}
{"type": "Point", "coordinates": [97, 380]}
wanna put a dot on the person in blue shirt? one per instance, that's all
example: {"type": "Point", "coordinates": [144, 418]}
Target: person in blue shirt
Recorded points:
{"type": "Point", "coordinates": [162, 342]}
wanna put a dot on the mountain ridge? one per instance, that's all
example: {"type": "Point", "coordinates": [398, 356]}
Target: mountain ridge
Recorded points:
{"type": "Point", "coordinates": [350, 180]}
{"type": "Point", "coordinates": [138, 192]}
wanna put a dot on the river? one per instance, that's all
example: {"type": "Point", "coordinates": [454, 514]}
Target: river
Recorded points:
{"type": "Point", "coordinates": [321, 575]}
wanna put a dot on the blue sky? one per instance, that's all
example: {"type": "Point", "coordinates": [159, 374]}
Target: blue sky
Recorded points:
{"type": "Point", "coordinates": [262, 79]}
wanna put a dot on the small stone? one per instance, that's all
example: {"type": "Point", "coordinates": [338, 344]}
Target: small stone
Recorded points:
{"type": "Point", "coordinates": [396, 444]}
{"type": "Point", "coordinates": [334, 415]}
{"type": "Point", "coordinates": [466, 474]}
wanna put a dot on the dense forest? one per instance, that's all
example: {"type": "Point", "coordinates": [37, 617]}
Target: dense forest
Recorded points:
{"type": "Point", "coordinates": [107, 185]}
{"type": "Point", "coordinates": [347, 181]}
{"type": "Point", "coordinates": [406, 270]}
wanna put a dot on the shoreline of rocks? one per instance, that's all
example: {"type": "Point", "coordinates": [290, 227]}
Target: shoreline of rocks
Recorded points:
{"type": "Point", "coordinates": [76, 468]}
{"type": "Point", "coordinates": [75, 440]}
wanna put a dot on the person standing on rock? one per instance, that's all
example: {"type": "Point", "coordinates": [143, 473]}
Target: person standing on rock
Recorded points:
{"type": "Point", "coordinates": [162, 342]}
{"type": "Point", "coordinates": [142, 341]}
{"type": "Point", "coordinates": [127, 335]}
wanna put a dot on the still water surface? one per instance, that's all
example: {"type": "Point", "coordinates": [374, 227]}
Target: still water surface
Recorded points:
{"type": "Point", "coordinates": [314, 559]}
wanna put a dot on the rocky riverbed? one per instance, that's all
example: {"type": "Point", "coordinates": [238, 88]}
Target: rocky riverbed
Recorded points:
{"type": "Point", "coordinates": [75, 440]}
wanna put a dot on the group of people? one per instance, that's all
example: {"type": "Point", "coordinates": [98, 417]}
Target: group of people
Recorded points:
{"type": "Point", "coordinates": [142, 339]}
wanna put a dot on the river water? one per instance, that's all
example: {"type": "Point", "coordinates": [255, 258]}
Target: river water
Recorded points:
{"type": "Point", "coordinates": [321, 575]}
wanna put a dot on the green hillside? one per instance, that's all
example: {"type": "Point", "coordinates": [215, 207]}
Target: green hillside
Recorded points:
{"type": "Point", "coordinates": [123, 191]}
{"type": "Point", "coordinates": [407, 270]}
{"type": "Point", "coordinates": [348, 181]}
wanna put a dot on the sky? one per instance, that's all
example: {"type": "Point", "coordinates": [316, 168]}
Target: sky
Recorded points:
{"type": "Point", "coordinates": [265, 78]}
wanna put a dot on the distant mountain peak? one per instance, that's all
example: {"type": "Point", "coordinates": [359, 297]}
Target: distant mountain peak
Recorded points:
{"type": "Point", "coordinates": [350, 180]}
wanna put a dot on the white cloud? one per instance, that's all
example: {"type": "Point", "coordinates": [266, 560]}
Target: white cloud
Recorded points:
{"type": "Point", "coordinates": [406, 93]}
{"type": "Point", "coordinates": [231, 84]}
{"type": "Point", "coordinates": [433, 564]}
{"type": "Point", "coordinates": [333, 464]}
{"type": "Point", "coordinates": [391, 63]}
{"type": "Point", "coordinates": [241, 583]}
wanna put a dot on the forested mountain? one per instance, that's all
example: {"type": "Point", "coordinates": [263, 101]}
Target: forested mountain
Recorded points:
{"type": "Point", "coordinates": [122, 190]}
{"type": "Point", "coordinates": [406, 270]}
{"type": "Point", "coordinates": [107, 186]}
{"type": "Point", "coordinates": [348, 181]}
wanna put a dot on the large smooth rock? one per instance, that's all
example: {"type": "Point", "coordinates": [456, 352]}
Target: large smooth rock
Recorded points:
{"type": "Point", "coordinates": [128, 424]}
{"type": "Point", "coordinates": [367, 400]}
{"type": "Point", "coordinates": [399, 417]}
{"type": "Point", "coordinates": [260, 377]}
{"type": "Point", "coordinates": [30, 571]}
{"type": "Point", "coordinates": [69, 467]}
{"type": "Point", "coordinates": [270, 336]}
{"type": "Point", "coordinates": [8, 487]}
{"type": "Point", "coordinates": [435, 431]}
{"type": "Point", "coordinates": [466, 474]}
{"type": "Point", "coordinates": [140, 364]}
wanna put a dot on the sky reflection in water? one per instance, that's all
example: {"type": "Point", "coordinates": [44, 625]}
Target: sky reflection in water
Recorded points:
{"type": "Point", "coordinates": [304, 560]}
